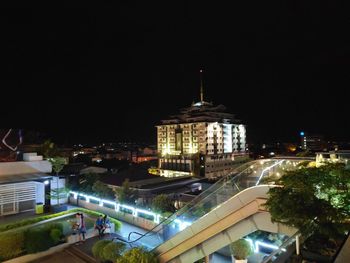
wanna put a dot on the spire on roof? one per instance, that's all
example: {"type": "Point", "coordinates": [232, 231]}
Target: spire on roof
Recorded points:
{"type": "Point", "coordinates": [201, 78]}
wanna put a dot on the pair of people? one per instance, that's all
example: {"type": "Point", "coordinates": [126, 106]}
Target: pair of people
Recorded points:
{"type": "Point", "coordinates": [101, 224]}
{"type": "Point", "coordinates": [79, 226]}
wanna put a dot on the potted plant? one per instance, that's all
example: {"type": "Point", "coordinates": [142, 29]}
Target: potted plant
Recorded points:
{"type": "Point", "coordinates": [240, 251]}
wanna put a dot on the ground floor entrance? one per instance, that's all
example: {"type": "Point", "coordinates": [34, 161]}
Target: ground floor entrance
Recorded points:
{"type": "Point", "coordinates": [18, 197]}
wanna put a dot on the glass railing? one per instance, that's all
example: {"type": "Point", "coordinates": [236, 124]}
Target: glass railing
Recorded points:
{"type": "Point", "coordinates": [284, 251]}
{"type": "Point", "coordinates": [243, 177]}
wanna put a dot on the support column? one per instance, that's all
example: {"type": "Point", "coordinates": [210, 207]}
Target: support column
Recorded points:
{"type": "Point", "coordinates": [297, 245]}
{"type": "Point", "coordinates": [47, 205]}
{"type": "Point", "coordinates": [209, 259]}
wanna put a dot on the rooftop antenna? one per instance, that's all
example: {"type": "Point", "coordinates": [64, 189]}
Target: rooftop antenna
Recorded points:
{"type": "Point", "coordinates": [201, 78]}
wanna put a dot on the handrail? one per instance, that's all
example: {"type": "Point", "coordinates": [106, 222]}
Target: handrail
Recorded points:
{"type": "Point", "coordinates": [189, 205]}
{"type": "Point", "coordinates": [233, 178]}
{"type": "Point", "coordinates": [122, 241]}
{"type": "Point", "coordinates": [285, 243]}
{"type": "Point", "coordinates": [341, 247]}
{"type": "Point", "coordinates": [279, 249]}
{"type": "Point", "coordinates": [134, 232]}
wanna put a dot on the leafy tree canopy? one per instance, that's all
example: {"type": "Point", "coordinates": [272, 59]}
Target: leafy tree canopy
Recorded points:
{"type": "Point", "coordinates": [48, 149]}
{"type": "Point", "coordinates": [86, 181]}
{"type": "Point", "coordinates": [163, 203]}
{"type": "Point", "coordinates": [102, 190]}
{"type": "Point", "coordinates": [57, 163]}
{"type": "Point", "coordinates": [125, 194]}
{"type": "Point", "coordinates": [318, 198]}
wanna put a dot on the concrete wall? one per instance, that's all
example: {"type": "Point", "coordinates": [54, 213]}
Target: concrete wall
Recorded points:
{"type": "Point", "coordinates": [13, 168]}
{"type": "Point", "coordinates": [137, 221]}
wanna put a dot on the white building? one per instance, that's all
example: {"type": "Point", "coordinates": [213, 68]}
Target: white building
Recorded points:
{"type": "Point", "coordinates": [203, 140]}
{"type": "Point", "coordinates": [24, 184]}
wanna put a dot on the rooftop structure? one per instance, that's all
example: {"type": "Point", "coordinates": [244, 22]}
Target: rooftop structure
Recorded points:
{"type": "Point", "coordinates": [23, 184]}
{"type": "Point", "coordinates": [202, 140]}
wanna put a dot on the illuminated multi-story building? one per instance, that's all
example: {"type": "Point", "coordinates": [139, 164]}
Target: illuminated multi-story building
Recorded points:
{"type": "Point", "coordinates": [203, 140]}
{"type": "Point", "coordinates": [312, 142]}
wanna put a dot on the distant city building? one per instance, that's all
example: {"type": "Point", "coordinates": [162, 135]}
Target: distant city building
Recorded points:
{"type": "Point", "coordinates": [144, 155]}
{"type": "Point", "coordinates": [147, 186]}
{"type": "Point", "coordinates": [312, 142]}
{"type": "Point", "coordinates": [93, 170]}
{"type": "Point", "coordinates": [203, 140]}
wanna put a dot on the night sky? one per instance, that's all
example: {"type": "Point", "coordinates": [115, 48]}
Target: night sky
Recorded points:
{"type": "Point", "coordinates": [112, 72]}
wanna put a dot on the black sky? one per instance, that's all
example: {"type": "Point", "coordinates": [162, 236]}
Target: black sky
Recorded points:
{"type": "Point", "coordinates": [111, 72]}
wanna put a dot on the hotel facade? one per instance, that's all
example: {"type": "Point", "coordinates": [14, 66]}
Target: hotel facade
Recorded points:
{"type": "Point", "coordinates": [203, 140]}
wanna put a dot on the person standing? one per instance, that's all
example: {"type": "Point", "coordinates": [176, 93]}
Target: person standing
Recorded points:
{"type": "Point", "coordinates": [82, 228]}
{"type": "Point", "coordinates": [79, 227]}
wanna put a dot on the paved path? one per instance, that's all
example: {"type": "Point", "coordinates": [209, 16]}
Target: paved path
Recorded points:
{"type": "Point", "coordinates": [123, 233]}
{"type": "Point", "coordinates": [59, 257]}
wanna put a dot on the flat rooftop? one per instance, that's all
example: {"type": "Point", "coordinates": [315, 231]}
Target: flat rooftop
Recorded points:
{"type": "Point", "coordinates": [19, 178]}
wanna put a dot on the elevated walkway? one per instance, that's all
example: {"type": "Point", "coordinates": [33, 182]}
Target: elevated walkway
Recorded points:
{"type": "Point", "coordinates": [239, 216]}
{"type": "Point", "coordinates": [230, 209]}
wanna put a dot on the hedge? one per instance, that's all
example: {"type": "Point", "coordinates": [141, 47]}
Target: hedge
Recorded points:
{"type": "Point", "coordinates": [11, 245]}
{"type": "Point", "coordinates": [37, 239]}
{"type": "Point", "coordinates": [19, 242]}
{"type": "Point", "coordinates": [112, 251]}
{"type": "Point", "coordinates": [30, 221]}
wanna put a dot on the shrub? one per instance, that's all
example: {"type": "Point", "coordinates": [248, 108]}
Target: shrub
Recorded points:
{"type": "Point", "coordinates": [97, 248]}
{"type": "Point", "coordinates": [241, 249]}
{"type": "Point", "coordinates": [30, 221]}
{"type": "Point", "coordinates": [138, 255]}
{"type": "Point", "coordinates": [56, 226]}
{"type": "Point", "coordinates": [55, 235]}
{"type": "Point", "coordinates": [112, 251]}
{"type": "Point", "coordinates": [11, 245]}
{"type": "Point", "coordinates": [37, 239]}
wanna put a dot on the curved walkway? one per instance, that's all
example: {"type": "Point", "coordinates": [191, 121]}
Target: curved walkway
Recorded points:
{"type": "Point", "coordinates": [241, 215]}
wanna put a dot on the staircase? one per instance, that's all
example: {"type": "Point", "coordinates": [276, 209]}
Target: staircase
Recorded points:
{"type": "Point", "coordinates": [78, 255]}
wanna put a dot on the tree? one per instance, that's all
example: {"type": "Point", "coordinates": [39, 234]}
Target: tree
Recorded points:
{"type": "Point", "coordinates": [57, 166]}
{"type": "Point", "coordinates": [125, 194]}
{"type": "Point", "coordinates": [162, 203]}
{"type": "Point", "coordinates": [138, 255]}
{"type": "Point", "coordinates": [86, 182]}
{"type": "Point", "coordinates": [314, 200]}
{"type": "Point", "coordinates": [102, 190]}
{"type": "Point", "coordinates": [48, 149]}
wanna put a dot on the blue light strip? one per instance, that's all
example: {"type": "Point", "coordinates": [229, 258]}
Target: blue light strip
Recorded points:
{"type": "Point", "coordinates": [117, 206]}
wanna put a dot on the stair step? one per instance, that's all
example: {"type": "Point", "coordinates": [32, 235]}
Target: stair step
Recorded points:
{"type": "Point", "coordinates": [78, 253]}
